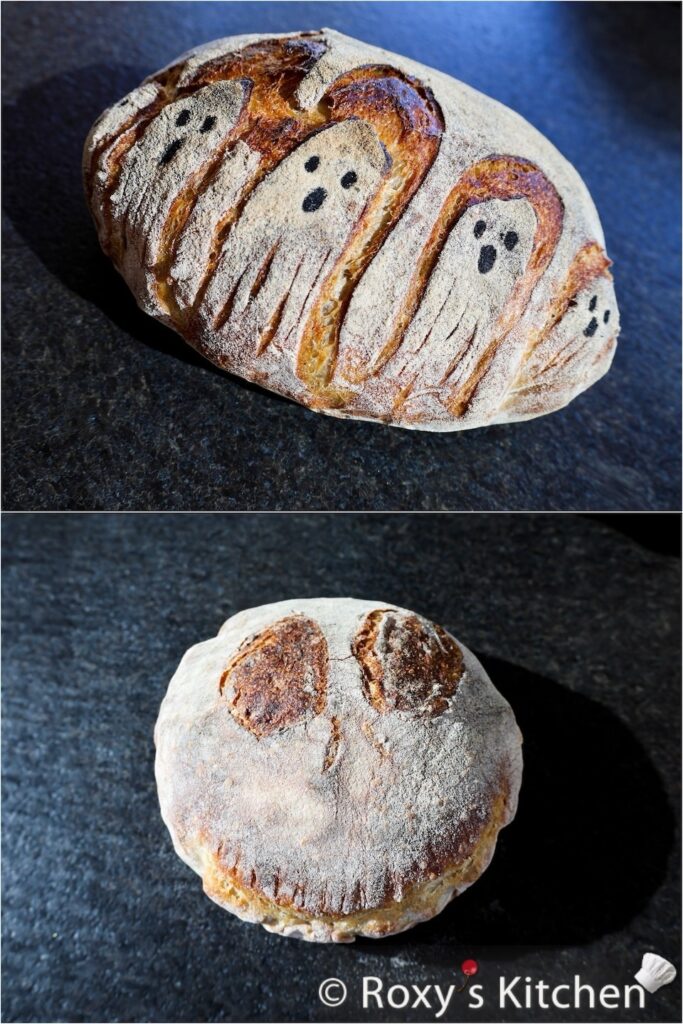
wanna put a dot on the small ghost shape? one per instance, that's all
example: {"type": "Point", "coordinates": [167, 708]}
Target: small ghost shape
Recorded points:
{"type": "Point", "coordinates": [577, 351]}
{"type": "Point", "coordinates": [173, 150]}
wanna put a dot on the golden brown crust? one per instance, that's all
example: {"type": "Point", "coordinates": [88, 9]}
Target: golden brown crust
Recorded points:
{"type": "Point", "coordinates": [278, 677]}
{"type": "Point", "coordinates": [408, 664]}
{"type": "Point", "coordinates": [419, 901]}
{"type": "Point", "coordinates": [300, 328]}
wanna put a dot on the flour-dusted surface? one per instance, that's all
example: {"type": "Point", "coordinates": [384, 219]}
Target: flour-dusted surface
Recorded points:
{"type": "Point", "coordinates": [356, 231]}
{"type": "Point", "coordinates": [118, 928]}
{"type": "Point", "coordinates": [107, 408]}
{"type": "Point", "coordinates": [345, 809]}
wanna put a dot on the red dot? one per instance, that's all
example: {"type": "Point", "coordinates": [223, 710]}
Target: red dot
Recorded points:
{"type": "Point", "coordinates": [469, 967]}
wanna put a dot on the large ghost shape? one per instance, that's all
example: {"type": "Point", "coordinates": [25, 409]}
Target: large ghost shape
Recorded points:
{"type": "Point", "coordinates": [485, 255]}
{"type": "Point", "coordinates": [292, 230]}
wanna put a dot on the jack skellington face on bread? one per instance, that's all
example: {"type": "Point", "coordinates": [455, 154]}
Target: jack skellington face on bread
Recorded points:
{"type": "Point", "coordinates": [290, 233]}
{"type": "Point", "coordinates": [321, 759]}
{"type": "Point", "coordinates": [287, 686]}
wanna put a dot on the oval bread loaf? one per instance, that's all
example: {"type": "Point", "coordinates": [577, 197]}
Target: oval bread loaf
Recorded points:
{"type": "Point", "coordinates": [355, 231]}
{"type": "Point", "coordinates": [334, 768]}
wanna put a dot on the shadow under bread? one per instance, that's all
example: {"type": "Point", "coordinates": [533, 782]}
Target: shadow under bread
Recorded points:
{"type": "Point", "coordinates": [590, 842]}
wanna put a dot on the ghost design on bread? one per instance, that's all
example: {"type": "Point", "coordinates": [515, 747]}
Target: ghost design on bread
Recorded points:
{"type": "Point", "coordinates": [355, 231]}
{"type": "Point", "coordinates": [291, 232]}
{"type": "Point", "coordinates": [490, 247]}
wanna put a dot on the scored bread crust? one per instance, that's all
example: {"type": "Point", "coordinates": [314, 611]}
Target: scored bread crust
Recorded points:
{"type": "Point", "coordinates": [306, 210]}
{"type": "Point", "coordinates": [335, 767]}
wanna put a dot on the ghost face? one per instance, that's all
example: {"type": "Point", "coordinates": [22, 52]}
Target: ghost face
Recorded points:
{"type": "Point", "coordinates": [170, 155]}
{"type": "Point", "coordinates": [484, 257]}
{"type": "Point", "coordinates": [577, 351]}
{"type": "Point", "coordinates": [289, 235]}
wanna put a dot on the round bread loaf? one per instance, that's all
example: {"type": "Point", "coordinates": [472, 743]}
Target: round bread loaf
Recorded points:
{"type": "Point", "coordinates": [355, 231]}
{"type": "Point", "coordinates": [334, 768]}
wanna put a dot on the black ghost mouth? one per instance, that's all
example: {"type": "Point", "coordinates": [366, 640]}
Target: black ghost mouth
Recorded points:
{"type": "Point", "coordinates": [170, 152]}
{"type": "Point", "coordinates": [314, 200]}
{"type": "Point", "coordinates": [487, 257]}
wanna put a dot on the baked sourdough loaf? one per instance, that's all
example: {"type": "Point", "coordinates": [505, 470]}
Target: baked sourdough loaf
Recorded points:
{"type": "Point", "coordinates": [355, 231]}
{"type": "Point", "coordinates": [334, 768]}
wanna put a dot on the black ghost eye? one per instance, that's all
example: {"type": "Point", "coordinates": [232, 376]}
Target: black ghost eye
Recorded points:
{"type": "Point", "coordinates": [605, 316]}
{"type": "Point", "coordinates": [312, 164]}
{"type": "Point", "coordinates": [479, 228]}
{"type": "Point", "coordinates": [593, 303]}
{"type": "Point", "coordinates": [510, 240]}
{"type": "Point", "coordinates": [314, 200]}
{"type": "Point", "coordinates": [171, 151]}
{"type": "Point", "coordinates": [209, 122]}
{"type": "Point", "coordinates": [182, 118]}
{"type": "Point", "coordinates": [592, 328]}
{"type": "Point", "coordinates": [349, 179]}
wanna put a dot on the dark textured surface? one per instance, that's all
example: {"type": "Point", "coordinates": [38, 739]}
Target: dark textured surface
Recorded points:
{"type": "Point", "coordinates": [578, 626]}
{"type": "Point", "coordinates": [104, 408]}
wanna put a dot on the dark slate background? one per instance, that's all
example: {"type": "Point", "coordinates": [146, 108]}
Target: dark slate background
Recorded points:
{"type": "Point", "coordinates": [105, 409]}
{"type": "Point", "coordinates": [578, 625]}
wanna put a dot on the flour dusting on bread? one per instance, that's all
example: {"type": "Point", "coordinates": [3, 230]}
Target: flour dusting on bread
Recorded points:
{"type": "Point", "coordinates": [333, 804]}
{"type": "Point", "coordinates": [356, 231]}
